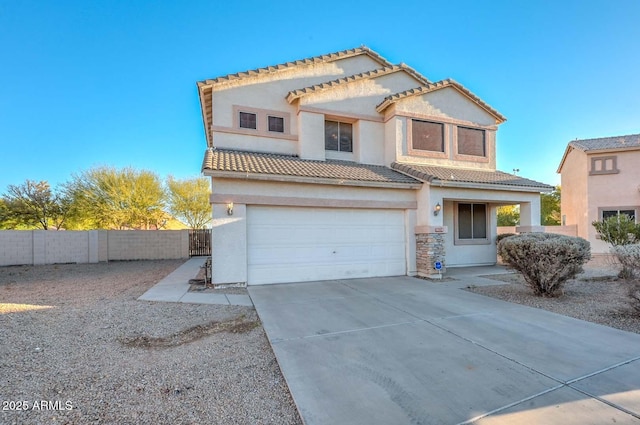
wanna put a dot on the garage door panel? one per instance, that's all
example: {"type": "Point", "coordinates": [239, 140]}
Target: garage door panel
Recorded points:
{"type": "Point", "coordinates": [306, 244]}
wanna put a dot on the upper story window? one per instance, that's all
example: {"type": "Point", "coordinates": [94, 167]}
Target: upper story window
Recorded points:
{"type": "Point", "coordinates": [276, 124]}
{"type": "Point", "coordinates": [427, 136]}
{"type": "Point", "coordinates": [604, 165]}
{"type": "Point", "coordinates": [471, 141]}
{"type": "Point", "coordinates": [338, 136]}
{"type": "Point", "coordinates": [248, 120]}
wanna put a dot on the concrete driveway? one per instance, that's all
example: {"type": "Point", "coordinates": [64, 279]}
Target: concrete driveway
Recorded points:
{"type": "Point", "coordinates": [406, 351]}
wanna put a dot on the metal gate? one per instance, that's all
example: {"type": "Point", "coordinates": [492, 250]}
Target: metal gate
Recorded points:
{"type": "Point", "coordinates": [199, 242]}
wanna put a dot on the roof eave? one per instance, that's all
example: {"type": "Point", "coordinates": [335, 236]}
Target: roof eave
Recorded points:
{"type": "Point", "coordinates": [489, 186]}
{"type": "Point", "coordinates": [310, 180]}
{"type": "Point", "coordinates": [564, 157]}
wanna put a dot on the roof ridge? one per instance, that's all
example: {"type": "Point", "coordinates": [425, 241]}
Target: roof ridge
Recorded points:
{"type": "Point", "coordinates": [328, 57]}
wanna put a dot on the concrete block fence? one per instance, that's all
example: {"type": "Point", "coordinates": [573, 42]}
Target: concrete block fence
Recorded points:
{"type": "Point", "coordinates": [33, 247]}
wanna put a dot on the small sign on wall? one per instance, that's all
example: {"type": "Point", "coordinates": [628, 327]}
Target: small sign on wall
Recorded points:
{"type": "Point", "coordinates": [438, 265]}
{"type": "Point", "coordinates": [439, 230]}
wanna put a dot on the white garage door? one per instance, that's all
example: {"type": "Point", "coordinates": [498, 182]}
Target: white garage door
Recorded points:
{"type": "Point", "coordinates": [304, 244]}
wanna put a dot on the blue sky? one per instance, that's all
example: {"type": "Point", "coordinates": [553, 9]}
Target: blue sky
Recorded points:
{"type": "Point", "coordinates": [113, 83]}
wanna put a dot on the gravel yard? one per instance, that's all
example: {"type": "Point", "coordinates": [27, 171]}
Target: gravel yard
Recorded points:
{"type": "Point", "coordinates": [596, 295]}
{"type": "Point", "coordinates": [77, 347]}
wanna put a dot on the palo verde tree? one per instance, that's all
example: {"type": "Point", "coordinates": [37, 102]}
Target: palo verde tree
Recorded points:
{"type": "Point", "coordinates": [34, 205]}
{"type": "Point", "coordinates": [110, 198]}
{"type": "Point", "coordinates": [189, 201]}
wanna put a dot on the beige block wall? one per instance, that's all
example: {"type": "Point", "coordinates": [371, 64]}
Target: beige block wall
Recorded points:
{"type": "Point", "coordinates": [19, 247]}
{"type": "Point", "coordinates": [147, 245]}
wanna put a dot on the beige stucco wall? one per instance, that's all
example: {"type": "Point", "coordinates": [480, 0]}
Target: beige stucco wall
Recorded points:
{"type": "Point", "coordinates": [573, 203]}
{"type": "Point", "coordinates": [612, 191]}
{"type": "Point", "coordinates": [467, 255]}
{"type": "Point", "coordinates": [447, 103]}
{"type": "Point", "coordinates": [584, 195]}
{"type": "Point", "coordinates": [230, 232]}
{"type": "Point", "coordinates": [360, 96]}
{"type": "Point", "coordinates": [439, 106]}
{"type": "Point", "coordinates": [268, 92]}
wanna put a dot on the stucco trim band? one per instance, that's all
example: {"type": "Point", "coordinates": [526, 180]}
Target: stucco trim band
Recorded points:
{"type": "Point", "coordinates": [288, 201]}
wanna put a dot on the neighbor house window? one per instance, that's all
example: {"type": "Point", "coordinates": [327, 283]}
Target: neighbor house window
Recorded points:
{"type": "Point", "coordinates": [471, 141]}
{"type": "Point", "coordinates": [604, 165]}
{"type": "Point", "coordinates": [614, 213]}
{"type": "Point", "coordinates": [276, 124]}
{"type": "Point", "coordinates": [338, 136]}
{"type": "Point", "coordinates": [427, 136]}
{"type": "Point", "coordinates": [248, 120]}
{"type": "Point", "coordinates": [472, 223]}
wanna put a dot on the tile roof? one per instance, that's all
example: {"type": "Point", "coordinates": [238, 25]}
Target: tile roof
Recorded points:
{"type": "Point", "coordinates": [429, 173]}
{"type": "Point", "coordinates": [363, 50]}
{"type": "Point", "coordinates": [295, 94]}
{"type": "Point", "coordinates": [431, 87]}
{"type": "Point", "coordinates": [603, 143]}
{"type": "Point", "coordinates": [254, 164]}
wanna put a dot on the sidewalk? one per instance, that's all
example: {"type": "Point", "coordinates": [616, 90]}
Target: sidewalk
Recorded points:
{"type": "Point", "coordinates": [175, 288]}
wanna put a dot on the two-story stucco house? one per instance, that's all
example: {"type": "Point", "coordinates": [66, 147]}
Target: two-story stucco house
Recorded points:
{"type": "Point", "coordinates": [345, 165]}
{"type": "Point", "coordinates": [600, 178]}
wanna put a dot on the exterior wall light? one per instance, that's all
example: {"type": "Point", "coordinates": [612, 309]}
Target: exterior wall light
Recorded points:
{"type": "Point", "coordinates": [230, 208]}
{"type": "Point", "coordinates": [437, 208]}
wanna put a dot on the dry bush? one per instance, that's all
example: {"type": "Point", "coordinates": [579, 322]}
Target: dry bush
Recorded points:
{"type": "Point", "coordinates": [545, 260]}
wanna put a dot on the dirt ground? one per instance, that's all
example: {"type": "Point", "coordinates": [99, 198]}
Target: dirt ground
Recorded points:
{"type": "Point", "coordinates": [596, 295]}
{"type": "Point", "coordinates": [78, 347]}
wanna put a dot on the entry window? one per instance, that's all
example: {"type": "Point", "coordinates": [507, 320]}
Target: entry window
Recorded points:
{"type": "Point", "coordinates": [276, 124]}
{"type": "Point", "coordinates": [471, 141]}
{"type": "Point", "coordinates": [471, 223]}
{"type": "Point", "coordinates": [614, 213]}
{"type": "Point", "coordinates": [427, 136]}
{"type": "Point", "coordinates": [248, 120]}
{"type": "Point", "coordinates": [338, 136]}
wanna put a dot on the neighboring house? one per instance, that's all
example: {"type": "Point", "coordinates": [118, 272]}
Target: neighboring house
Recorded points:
{"type": "Point", "coordinates": [600, 178]}
{"type": "Point", "coordinates": [345, 165]}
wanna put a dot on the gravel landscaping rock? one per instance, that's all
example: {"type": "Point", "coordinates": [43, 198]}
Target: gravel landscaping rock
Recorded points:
{"type": "Point", "coordinates": [78, 347]}
{"type": "Point", "coordinates": [596, 295]}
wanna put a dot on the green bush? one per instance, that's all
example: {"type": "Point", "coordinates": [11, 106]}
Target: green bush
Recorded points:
{"type": "Point", "coordinates": [618, 230]}
{"type": "Point", "coordinates": [545, 260]}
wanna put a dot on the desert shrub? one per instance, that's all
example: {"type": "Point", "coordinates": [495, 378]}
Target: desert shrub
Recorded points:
{"type": "Point", "coordinates": [503, 236]}
{"type": "Point", "coordinates": [545, 260]}
{"type": "Point", "coordinates": [629, 257]}
{"type": "Point", "coordinates": [634, 295]}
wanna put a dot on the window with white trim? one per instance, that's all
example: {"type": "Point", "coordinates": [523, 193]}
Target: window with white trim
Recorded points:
{"type": "Point", "coordinates": [338, 136]}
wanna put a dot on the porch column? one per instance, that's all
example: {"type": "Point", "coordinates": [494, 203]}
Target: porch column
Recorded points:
{"type": "Point", "coordinates": [530, 217]}
{"type": "Point", "coordinates": [429, 250]}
